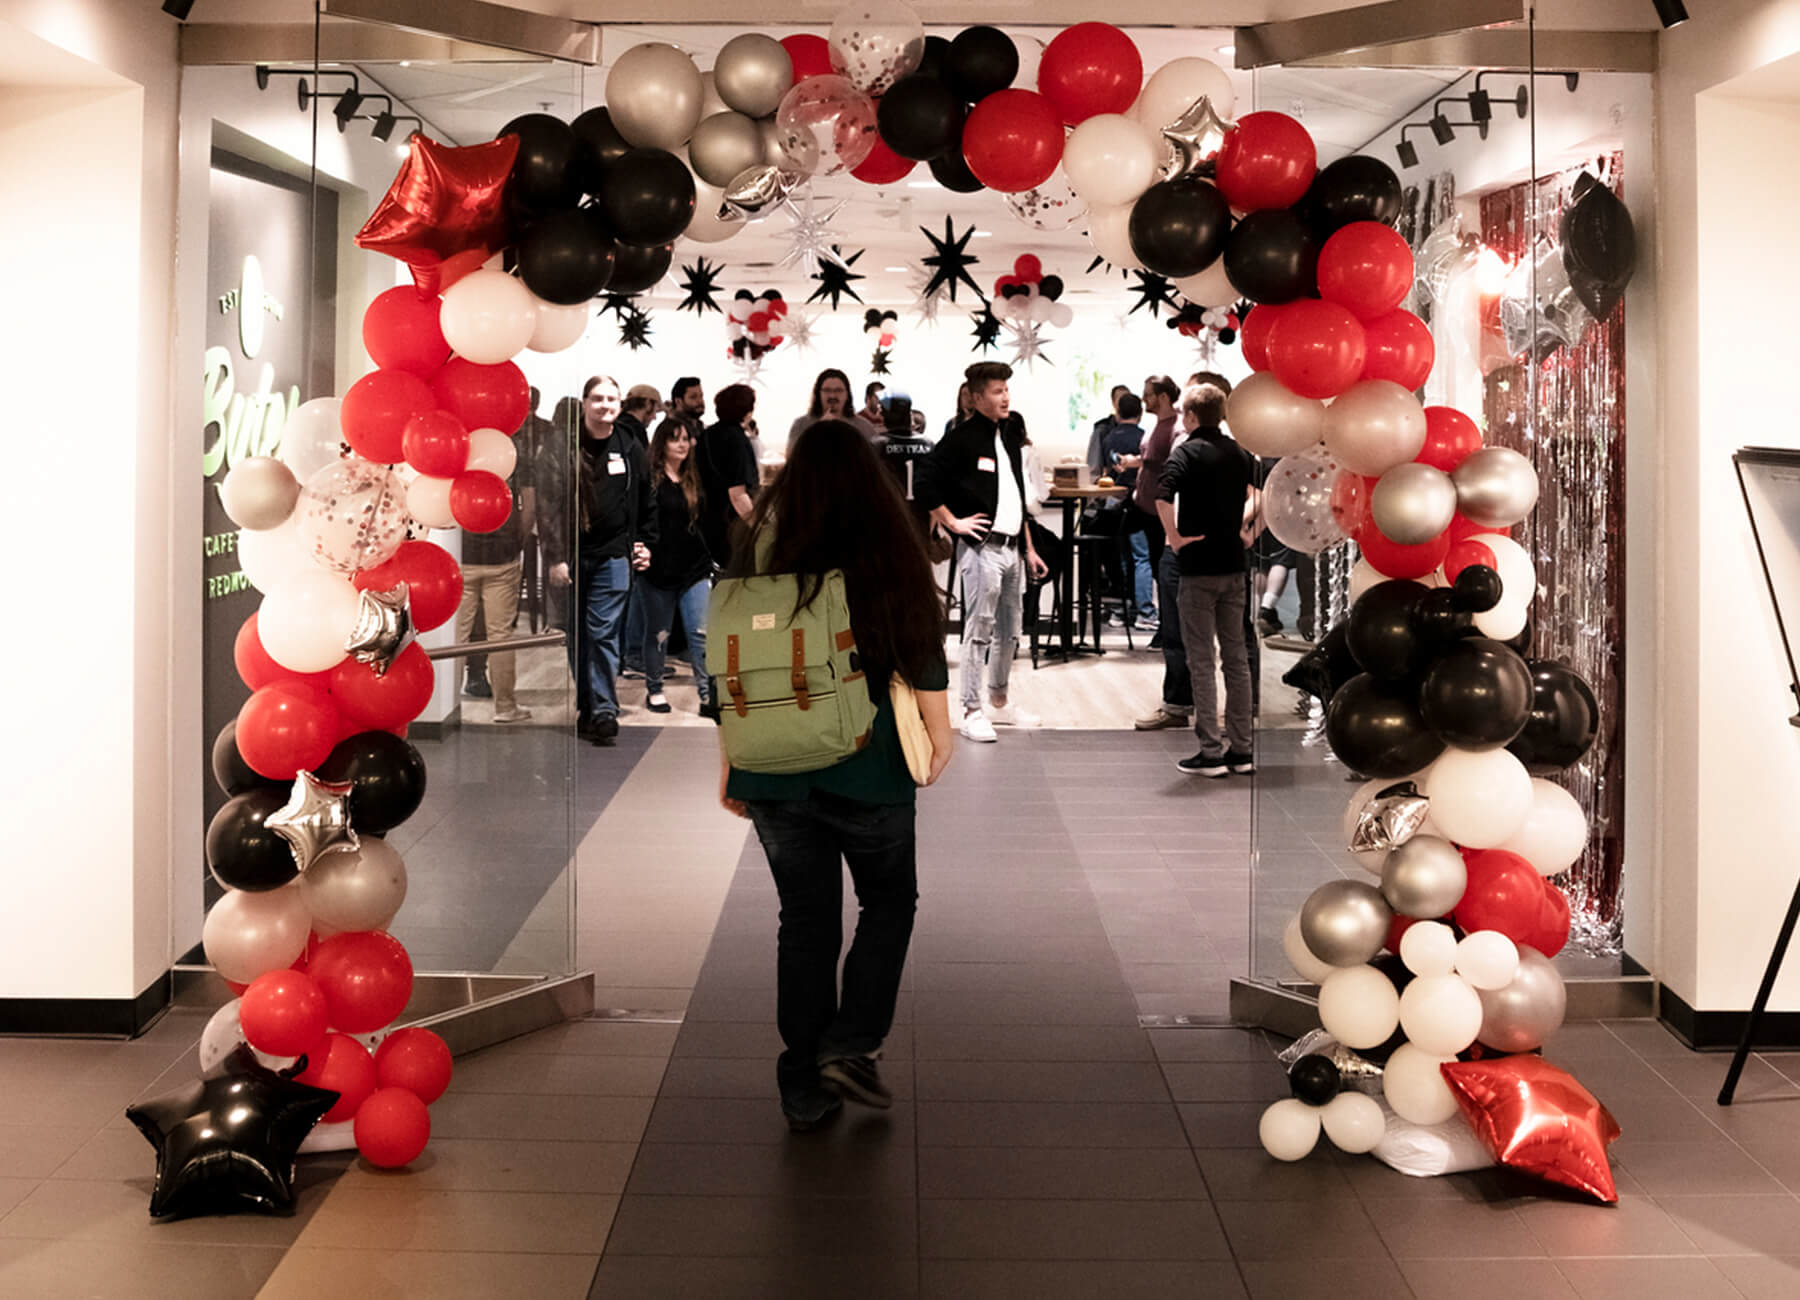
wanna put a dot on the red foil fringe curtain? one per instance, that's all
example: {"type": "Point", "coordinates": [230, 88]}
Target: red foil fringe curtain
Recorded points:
{"type": "Point", "coordinates": [1567, 413]}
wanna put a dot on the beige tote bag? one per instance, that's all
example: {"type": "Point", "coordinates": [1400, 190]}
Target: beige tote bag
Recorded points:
{"type": "Point", "coordinates": [915, 741]}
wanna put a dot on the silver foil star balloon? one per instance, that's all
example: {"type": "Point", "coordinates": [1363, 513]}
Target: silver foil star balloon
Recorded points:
{"type": "Point", "coordinates": [1356, 1071]}
{"type": "Point", "coordinates": [1446, 253]}
{"type": "Point", "coordinates": [1026, 339]}
{"type": "Point", "coordinates": [1561, 318]}
{"type": "Point", "coordinates": [810, 235]}
{"type": "Point", "coordinates": [926, 303]}
{"type": "Point", "coordinates": [797, 328]}
{"type": "Point", "coordinates": [1197, 136]}
{"type": "Point", "coordinates": [315, 820]}
{"type": "Point", "coordinates": [1390, 819]}
{"type": "Point", "coordinates": [383, 628]}
{"type": "Point", "coordinates": [755, 190]}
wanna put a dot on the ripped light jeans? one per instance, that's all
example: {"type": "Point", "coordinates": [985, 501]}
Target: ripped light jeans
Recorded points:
{"type": "Point", "coordinates": [660, 604]}
{"type": "Point", "coordinates": [993, 580]}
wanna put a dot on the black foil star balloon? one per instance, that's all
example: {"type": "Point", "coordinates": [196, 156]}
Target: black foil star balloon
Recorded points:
{"type": "Point", "coordinates": [834, 280]}
{"type": "Point", "coordinates": [987, 330]}
{"type": "Point", "coordinates": [619, 304]}
{"type": "Point", "coordinates": [315, 820]}
{"type": "Point", "coordinates": [634, 329]}
{"type": "Point", "coordinates": [229, 1140]}
{"type": "Point", "coordinates": [700, 282]}
{"type": "Point", "coordinates": [1154, 291]}
{"type": "Point", "coordinates": [878, 364]}
{"type": "Point", "coordinates": [950, 262]}
{"type": "Point", "coordinates": [1100, 261]}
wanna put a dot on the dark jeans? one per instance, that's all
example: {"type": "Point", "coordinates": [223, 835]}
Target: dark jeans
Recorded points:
{"type": "Point", "coordinates": [808, 842]}
{"type": "Point", "coordinates": [632, 655]}
{"type": "Point", "coordinates": [1178, 682]}
{"type": "Point", "coordinates": [596, 618]}
{"type": "Point", "coordinates": [660, 605]}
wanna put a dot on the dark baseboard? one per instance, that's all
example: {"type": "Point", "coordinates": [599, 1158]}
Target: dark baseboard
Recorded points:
{"type": "Point", "coordinates": [433, 730]}
{"type": "Point", "coordinates": [1719, 1031]}
{"type": "Point", "coordinates": [87, 1017]}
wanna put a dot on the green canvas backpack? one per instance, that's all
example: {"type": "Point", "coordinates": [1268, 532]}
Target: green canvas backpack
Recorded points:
{"type": "Point", "coordinates": [790, 687]}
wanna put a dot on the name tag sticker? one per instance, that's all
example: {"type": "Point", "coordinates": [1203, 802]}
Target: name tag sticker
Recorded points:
{"type": "Point", "coordinates": [762, 622]}
{"type": "Point", "coordinates": [615, 464]}
{"type": "Point", "coordinates": [985, 465]}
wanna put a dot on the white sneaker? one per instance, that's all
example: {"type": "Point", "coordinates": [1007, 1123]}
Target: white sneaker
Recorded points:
{"type": "Point", "coordinates": [514, 714]}
{"type": "Point", "coordinates": [975, 726]}
{"type": "Point", "coordinates": [1011, 715]}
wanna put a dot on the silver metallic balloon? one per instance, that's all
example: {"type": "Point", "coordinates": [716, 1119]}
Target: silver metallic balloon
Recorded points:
{"type": "Point", "coordinates": [259, 493]}
{"type": "Point", "coordinates": [654, 93]}
{"type": "Point", "coordinates": [1496, 487]}
{"type": "Point", "coordinates": [1424, 877]}
{"type": "Point", "coordinates": [1345, 922]}
{"type": "Point", "coordinates": [710, 102]}
{"type": "Point", "coordinates": [1197, 135]}
{"type": "Point", "coordinates": [356, 891]}
{"type": "Point", "coordinates": [723, 147]}
{"type": "Point", "coordinates": [315, 820]}
{"type": "Point", "coordinates": [1413, 503]}
{"type": "Point", "coordinates": [1373, 426]}
{"type": "Point", "coordinates": [1526, 1012]}
{"type": "Point", "coordinates": [755, 190]}
{"type": "Point", "coordinates": [1560, 319]}
{"type": "Point", "coordinates": [1390, 819]}
{"type": "Point", "coordinates": [752, 73]}
{"type": "Point", "coordinates": [383, 628]}
{"type": "Point", "coordinates": [1269, 419]}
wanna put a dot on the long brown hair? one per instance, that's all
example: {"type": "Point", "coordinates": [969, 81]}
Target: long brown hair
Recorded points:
{"type": "Point", "coordinates": [689, 476]}
{"type": "Point", "coordinates": [836, 506]}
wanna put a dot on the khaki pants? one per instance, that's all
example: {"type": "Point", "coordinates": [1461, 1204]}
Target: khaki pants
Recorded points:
{"type": "Point", "coordinates": [496, 586]}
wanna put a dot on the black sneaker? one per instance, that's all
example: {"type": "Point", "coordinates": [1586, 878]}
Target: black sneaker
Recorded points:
{"type": "Point", "coordinates": [1242, 764]}
{"type": "Point", "coordinates": [1268, 622]}
{"type": "Point", "coordinates": [809, 1109]}
{"type": "Point", "coordinates": [710, 712]}
{"type": "Point", "coordinates": [477, 688]}
{"type": "Point", "coordinates": [857, 1078]}
{"type": "Point", "coordinates": [585, 725]}
{"type": "Point", "coordinates": [1201, 765]}
{"type": "Point", "coordinates": [657, 702]}
{"type": "Point", "coordinates": [606, 730]}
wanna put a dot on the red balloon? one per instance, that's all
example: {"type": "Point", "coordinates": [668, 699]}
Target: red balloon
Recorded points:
{"type": "Point", "coordinates": [396, 697]}
{"type": "Point", "coordinates": [436, 443]}
{"type": "Point", "coordinates": [1091, 68]}
{"type": "Point", "coordinates": [483, 397]}
{"type": "Point", "coordinates": [414, 1059]}
{"type": "Point", "coordinates": [1254, 337]}
{"type": "Point", "coordinates": [1504, 893]}
{"type": "Point", "coordinates": [1462, 527]}
{"type": "Point", "coordinates": [401, 332]}
{"type": "Point", "coordinates": [1397, 929]}
{"type": "Point", "coordinates": [1552, 931]}
{"type": "Point", "coordinates": [343, 1065]}
{"type": "Point", "coordinates": [1465, 553]}
{"type": "Point", "coordinates": [1367, 267]}
{"type": "Point", "coordinates": [1012, 141]}
{"type": "Point", "coordinates": [1392, 560]}
{"type": "Point", "coordinates": [1316, 349]}
{"type": "Point", "coordinates": [376, 410]}
{"type": "Point", "coordinates": [883, 166]}
{"type": "Point", "coordinates": [1400, 348]}
{"type": "Point", "coordinates": [758, 322]}
{"type": "Point", "coordinates": [1028, 267]}
{"type": "Point", "coordinates": [1350, 494]}
{"type": "Point", "coordinates": [392, 1128]}
{"type": "Point", "coordinates": [433, 578]}
{"type": "Point", "coordinates": [366, 977]}
{"type": "Point", "coordinates": [480, 501]}
{"type": "Point", "coordinates": [811, 55]}
{"type": "Point", "coordinates": [1537, 1118]}
{"type": "Point", "coordinates": [287, 728]}
{"type": "Point", "coordinates": [1267, 161]}
{"type": "Point", "coordinates": [283, 1013]}
{"type": "Point", "coordinates": [256, 668]}
{"type": "Point", "coordinates": [1450, 438]}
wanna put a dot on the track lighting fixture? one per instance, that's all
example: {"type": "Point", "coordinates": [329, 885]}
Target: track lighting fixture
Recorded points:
{"type": "Point", "coordinates": [1406, 150]}
{"type": "Point", "coordinates": [180, 9]}
{"type": "Point", "coordinates": [1672, 12]}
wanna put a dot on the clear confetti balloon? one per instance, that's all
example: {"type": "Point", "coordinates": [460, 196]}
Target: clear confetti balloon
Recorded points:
{"type": "Point", "coordinates": [1051, 206]}
{"type": "Point", "coordinates": [826, 125]}
{"type": "Point", "coordinates": [874, 45]}
{"type": "Point", "coordinates": [352, 515]}
{"type": "Point", "coordinates": [1297, 501]}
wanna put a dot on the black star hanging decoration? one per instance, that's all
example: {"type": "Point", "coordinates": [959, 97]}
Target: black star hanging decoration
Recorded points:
{"type": "Point", "coordinates": [987, 330]}
{"type": "Point", "coordinates": [700, 282]}
{"type": "Point", "coordinates": [1100, 261]}
{"type": "Point", "coordinates": [1155, 292]}
{"type": "Point", "coordinates": [878, 364]}
{"type": "Point", "coordinates": [950, 262]}
{"type": "Point", "coordinates": [634, 330]}
{"type": "Point", "coordinates": [834, 280]}
{"type": "Point", "coordinates": [619, 304]}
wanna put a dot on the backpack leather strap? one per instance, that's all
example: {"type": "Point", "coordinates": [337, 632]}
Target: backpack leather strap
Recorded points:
{"type": "Point", "coordinates": [734, 684]}
{"type": "Point", "coordinates": [798, 674]}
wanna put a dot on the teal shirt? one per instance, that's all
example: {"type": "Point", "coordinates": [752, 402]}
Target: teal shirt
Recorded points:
{"type": "Point", "coordinates": [876, 775]}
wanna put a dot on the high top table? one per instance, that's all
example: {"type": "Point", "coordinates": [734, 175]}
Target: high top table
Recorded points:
{"type": "Point", "coordinates": [1071, 499]}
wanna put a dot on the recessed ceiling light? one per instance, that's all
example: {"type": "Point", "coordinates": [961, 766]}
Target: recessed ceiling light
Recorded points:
{"type": "Point", "coordinates": [898, 269]}
{"type": "Point", "coordinates": [923, 185]}
{"type": "Point", "coordinates": [406, 63]}
{"type": "Point", "coordinates": [984, 234]}
{"type": "Point", "coordinates": [1228, 50]}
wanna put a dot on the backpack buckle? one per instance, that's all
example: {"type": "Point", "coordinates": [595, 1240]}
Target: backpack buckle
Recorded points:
{"type": "Point", "coordinates": [798, 674]}
{"type": "Point", "coordinates": [734, 685]}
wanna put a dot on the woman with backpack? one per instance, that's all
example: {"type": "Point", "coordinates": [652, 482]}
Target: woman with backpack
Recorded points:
{"type": "Point", "coordinates": [835, 511]}
{"type": "Point", "coordinates": [680, 572]}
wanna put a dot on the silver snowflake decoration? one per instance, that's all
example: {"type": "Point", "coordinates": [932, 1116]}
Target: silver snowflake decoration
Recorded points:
{"type": "Point", "coordinates": [1026, 341]}
{"type": "Point", "coordinates": [926, 300]}
{"type": "Point", "coordinates": [798, 329]}
{"type": "Point", "coordinates": [809, 234]}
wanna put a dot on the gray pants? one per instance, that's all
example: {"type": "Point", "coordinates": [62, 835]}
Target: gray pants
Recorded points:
{"type": "Point", "coordinates": [993, 601]}
{"type": "Point", "coordinates": [1213, 606]}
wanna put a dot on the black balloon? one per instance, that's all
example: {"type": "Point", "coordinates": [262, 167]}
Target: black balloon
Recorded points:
{"type": "Point", "coordinates": [1272, 257]}
{"type": "Point", "coordinates": [1178, 227]}
{"type": "Point", "coordinates": [1564, 719]}
{"type": "Point", "coordinates": [1477, 589]}
{"type": "Point", "coordinates": [1356, 188]}
{"type": "Point", "coordinates": [230, 770]}
{"type": "Point", "coordinates": [1324, 668]}
{"type": "Point", "coordinates": [637, 269]}
{"type": "Point", "coordinates": [952, 171]}
{"type": "Point", "coordinates": [1598, 238]}
{"type": "Point", "coordinates": [566, 257]}
{"type": "Point", "coordinates": [1375, 728]}
{"type": "Point", "coordinates": [1315, 1079]}
{"type": "Point", "coordinates": [243, 852]}
{"type": "Point", "coordinates": [386, 775]}
{"type": "Point", "coordinates": [1382, 633]}
{"type": "Point", "coordinates": [1477, 695]}
{"type": "Point", "coordinates": [920, 118]}
{"type": "Point", "coordinates": [544, 174]}
{"type": "Point", "coordinates": [1051, 286]}
{"type": "Point", "coordinates": [229, 1140]}
{"type": "Point", "coordinates": [1438, 621]}
{"type": "Point", "coordinates": [648, 198]}
{"type": "Point", "coordinates": [935, 62]}
{"type": "Point", "coordinates": [982, 60]}
{"type": "Point", "coordinates": [598, 146]}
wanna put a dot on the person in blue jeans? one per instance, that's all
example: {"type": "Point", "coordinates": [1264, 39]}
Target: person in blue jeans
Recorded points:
{"type": "Point", "coordinates": [680, 573]}
{"type": "Point", "coordinates": [835, 506]}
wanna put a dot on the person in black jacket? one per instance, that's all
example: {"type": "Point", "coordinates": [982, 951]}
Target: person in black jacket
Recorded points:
{"type": "Point", "coordinates": [679, 578]}
{"type": "Point", "coordinates": [973, 484]}
{"type": "Point", "coordinates": [729, 473]}
{"type": "Point", "coordinates": [613, 532]}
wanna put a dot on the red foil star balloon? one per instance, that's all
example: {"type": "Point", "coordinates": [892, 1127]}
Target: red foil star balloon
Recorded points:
{"type": "Point", "coordinates": [443, 202]}
{"type": "Point", "coordinates": [1536, 1118]}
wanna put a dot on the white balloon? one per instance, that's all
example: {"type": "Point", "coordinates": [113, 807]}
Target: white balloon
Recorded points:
{"type": "Point", "coordinates": [493, 451]}
{"type": "Point", "coordinates": [224, 1033]}
{"type": "Point", "coordinates": [1428, 948]}
{"type": "Point", "coordinates": [709, 225]}
{"type": "Point", "coordinates": [1354, 1122]}
{"type": "Point", "coordinates": [1062, 315]}
{"type": "Point", "coordinates": [1174, 87]}
{"type": "Point", "coordinates": [1289, 1129]}
{"type": "Point", "coordinates": [1109, 230]}
{"type": "Point", "coordinates": [1479, 798]}
{"type": "Point", "coordinates": [428, 502]}
{"type": "Point", "coordinates": [249, 934]}
{"type": "Point", "coordinates": [1518, 585]}
{"type": "Point", "coordinates": [1041, 309]}
{"type": "Point", "coordinates": [358, 890]}
{"type": "Point", "coordinates": [1359, 1007]}
{"type": "Point", "coordinates": [1302, 958]}
{"type": "Point", "coordinates": [558, 327]}
{"type": "Point", "coordinates": [313, 436]}
{"type": "Point", "coordinates": [488, 317]}
{"type": "Point", "coordinates": [1504, 621]}
{"type": "Point", "coordinates": [274, 557]}
{"type": "Point", "coordinates": [1554, 832]}
{"type": "Point", "coordinates": [305, 623]}
{"type": "Point", "coordinates": [1441, 1014]}
{"type": "Point", "coordinates": [1487, 959]}
{"type": "Point", "coordinates": [1031, 53]}
{"type": "Point", "coordinates": [1415, 1087]}
{"type": "Point", "coordinates": [1210, 288]}
{"type": "Point", "coordinates": [1110, 159]}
